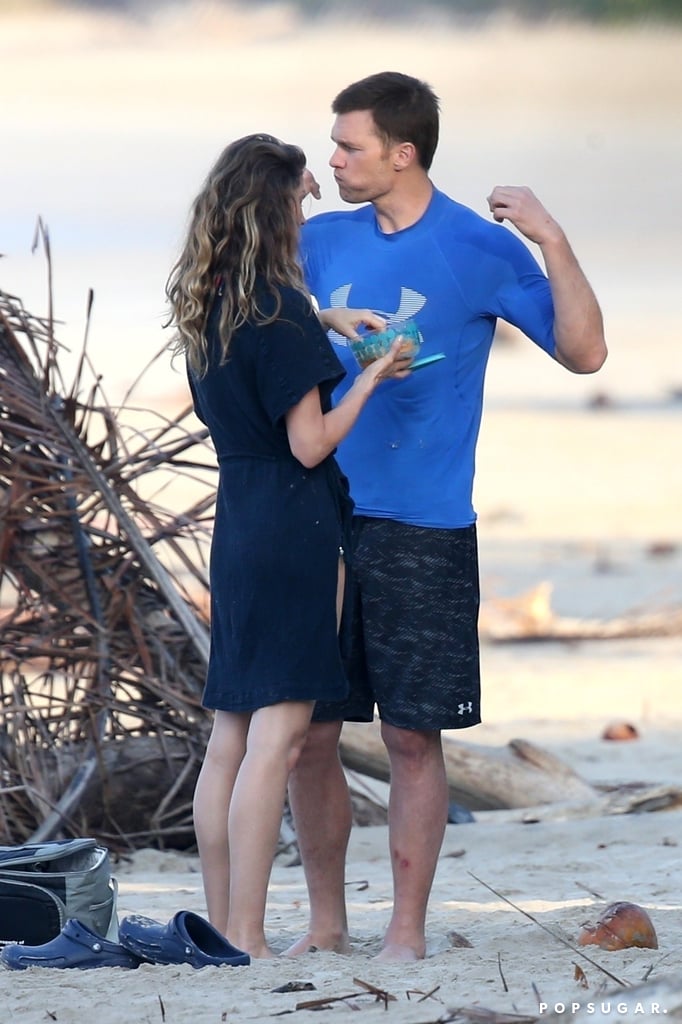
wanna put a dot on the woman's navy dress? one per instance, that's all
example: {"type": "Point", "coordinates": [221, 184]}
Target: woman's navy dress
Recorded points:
{"type": "Point", "coordinates": [278, 526]}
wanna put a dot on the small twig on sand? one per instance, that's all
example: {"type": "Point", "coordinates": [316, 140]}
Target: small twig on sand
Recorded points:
{"type": "Point", "coordinates": [580, 975]}
{"type": "Point", "coordinates": [586, 888]}
{"type": "Point", "coordinates": [499, 968]}
{"type": "Point", "coordinates": [423, 996]}
{"type": "Point", "coordinates": [379, 993]}
{"type": "Point", "coordinates": [317, 1004]}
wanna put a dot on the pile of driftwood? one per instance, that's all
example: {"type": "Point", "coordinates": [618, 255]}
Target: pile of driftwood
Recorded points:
{"type": "Point", "coordinates": [104, 631]}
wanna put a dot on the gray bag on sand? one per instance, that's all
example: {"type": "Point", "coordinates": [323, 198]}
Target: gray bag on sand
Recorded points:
{"type": "Point", "coordinates": [42, 885]}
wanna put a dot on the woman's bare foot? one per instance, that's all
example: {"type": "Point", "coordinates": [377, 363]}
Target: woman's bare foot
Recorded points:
{"type": "Point", "coordinates": [309, 943]}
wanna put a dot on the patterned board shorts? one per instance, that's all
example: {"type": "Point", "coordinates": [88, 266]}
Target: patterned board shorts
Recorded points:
{"type": "Point", "coordinates": [413, 650]}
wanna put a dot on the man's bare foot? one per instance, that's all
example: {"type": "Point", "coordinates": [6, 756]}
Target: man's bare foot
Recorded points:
{"type": "Point", "coordinates": [257, 948]}
{"type": "Point", "coordinates": [309, 943]}
{"type": "Point", "coordinates": [264, 953]}
{"type": "Point", "coordinates": [394, 952]}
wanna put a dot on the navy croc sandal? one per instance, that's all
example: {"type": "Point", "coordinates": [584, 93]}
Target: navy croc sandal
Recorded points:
{"type": "Point", "coordinates": [75, 946]}
{"type": "Point", "coordinates": [186, 939]}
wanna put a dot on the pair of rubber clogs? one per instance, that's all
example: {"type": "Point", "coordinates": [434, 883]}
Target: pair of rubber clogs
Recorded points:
{"type": "Point", "coordinates": [186, 939]}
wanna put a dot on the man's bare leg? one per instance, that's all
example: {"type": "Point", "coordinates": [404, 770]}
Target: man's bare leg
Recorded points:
{"type": "Point", "coordinates": [418, 811]}
{"type": "Point", "coordinates": [321, 807]}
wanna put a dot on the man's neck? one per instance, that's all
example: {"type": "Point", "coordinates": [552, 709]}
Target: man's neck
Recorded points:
{"type": "Point", "coordinates": [403, 206]}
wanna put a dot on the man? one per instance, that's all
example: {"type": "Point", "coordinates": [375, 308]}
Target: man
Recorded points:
{"type": "Point", "coordinates": [411, 252]}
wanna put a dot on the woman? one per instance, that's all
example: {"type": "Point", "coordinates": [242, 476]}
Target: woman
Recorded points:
{"type": "Point", "coordinates": [262, 371]}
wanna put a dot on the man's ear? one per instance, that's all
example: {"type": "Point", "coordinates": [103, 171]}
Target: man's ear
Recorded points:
{"type": "Point", "coordinates": [404, 155]}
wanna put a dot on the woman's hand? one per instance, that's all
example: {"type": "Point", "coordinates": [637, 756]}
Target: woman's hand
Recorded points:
{"type": "Point", "coordinates": [394, 365]}
{"type": "Point", "coordinates": [346, 321]}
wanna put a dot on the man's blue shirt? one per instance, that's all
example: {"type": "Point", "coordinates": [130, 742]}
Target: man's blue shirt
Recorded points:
{"type": "Point", "coordinates": [411, 456]}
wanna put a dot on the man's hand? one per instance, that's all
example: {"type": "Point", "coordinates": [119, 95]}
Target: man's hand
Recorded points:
{"type": "Point", "coordinates": [578, 323]}
{"type": "Point", "coordinates": [522, 208]}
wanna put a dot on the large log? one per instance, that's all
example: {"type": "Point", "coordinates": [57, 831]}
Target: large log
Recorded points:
{"type": "Point", "coordinates": [479, 778]}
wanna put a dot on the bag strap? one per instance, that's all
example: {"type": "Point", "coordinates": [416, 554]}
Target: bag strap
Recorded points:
{"type": "Point", "coordinates": [112, 930]}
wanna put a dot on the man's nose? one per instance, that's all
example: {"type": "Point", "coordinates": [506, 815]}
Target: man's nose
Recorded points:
{"type": "Point", "coordinates": [336, 159]}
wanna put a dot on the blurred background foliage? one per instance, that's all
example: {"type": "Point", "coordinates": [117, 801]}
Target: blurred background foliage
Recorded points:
{"type": "Point", "coordinates": [594, 10]}
{"type": "Point", "coordinates": [471, 10]}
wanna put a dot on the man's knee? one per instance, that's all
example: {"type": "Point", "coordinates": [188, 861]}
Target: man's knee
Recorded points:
{"type": "Point", "coordinates": [321, 744]}
{"type": "Point", "coordinates": [411, 744]}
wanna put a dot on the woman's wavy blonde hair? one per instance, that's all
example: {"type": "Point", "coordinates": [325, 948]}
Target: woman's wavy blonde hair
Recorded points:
{"type": "Point", "coordinates": [243, 226]}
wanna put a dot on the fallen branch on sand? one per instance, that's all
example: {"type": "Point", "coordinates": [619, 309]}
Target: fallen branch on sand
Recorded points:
{"type": "Point", "coordinates": [529, 616]}
{"type": "Point", "coordinates": [629, 798]}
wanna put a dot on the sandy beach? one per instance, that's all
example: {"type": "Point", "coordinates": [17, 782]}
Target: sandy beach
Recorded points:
{"type": "Point", "coordinates": [110, 126]}
{"type": "Point", "coordinates": [512, 950]}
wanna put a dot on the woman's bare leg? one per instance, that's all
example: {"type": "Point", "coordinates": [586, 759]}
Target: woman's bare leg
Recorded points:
{"type": "Point", "coordinates": [275, 738]}
{"type": "Point", "coordinates": [212, 797]}
{"type": "Point", "coordinates": [340, 589]}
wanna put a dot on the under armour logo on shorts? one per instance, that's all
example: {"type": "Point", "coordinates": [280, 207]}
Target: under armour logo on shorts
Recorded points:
{"type": "Point", "coordinates": [464, 708]}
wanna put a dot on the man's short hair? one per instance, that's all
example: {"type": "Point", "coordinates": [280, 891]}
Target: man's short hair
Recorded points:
{"type": "Point", "coordinates": [404, 109]}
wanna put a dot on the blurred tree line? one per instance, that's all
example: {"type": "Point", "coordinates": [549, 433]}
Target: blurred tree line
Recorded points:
{"type": "Point", "coordinates": [536, 10]}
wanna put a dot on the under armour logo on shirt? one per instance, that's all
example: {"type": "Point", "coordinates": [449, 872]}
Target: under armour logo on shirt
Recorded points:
{"type": "Point", "coordinates": [465, 708]}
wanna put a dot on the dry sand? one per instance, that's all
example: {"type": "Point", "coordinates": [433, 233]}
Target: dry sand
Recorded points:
{"type": "Point", "coordinates": [109, 129]}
